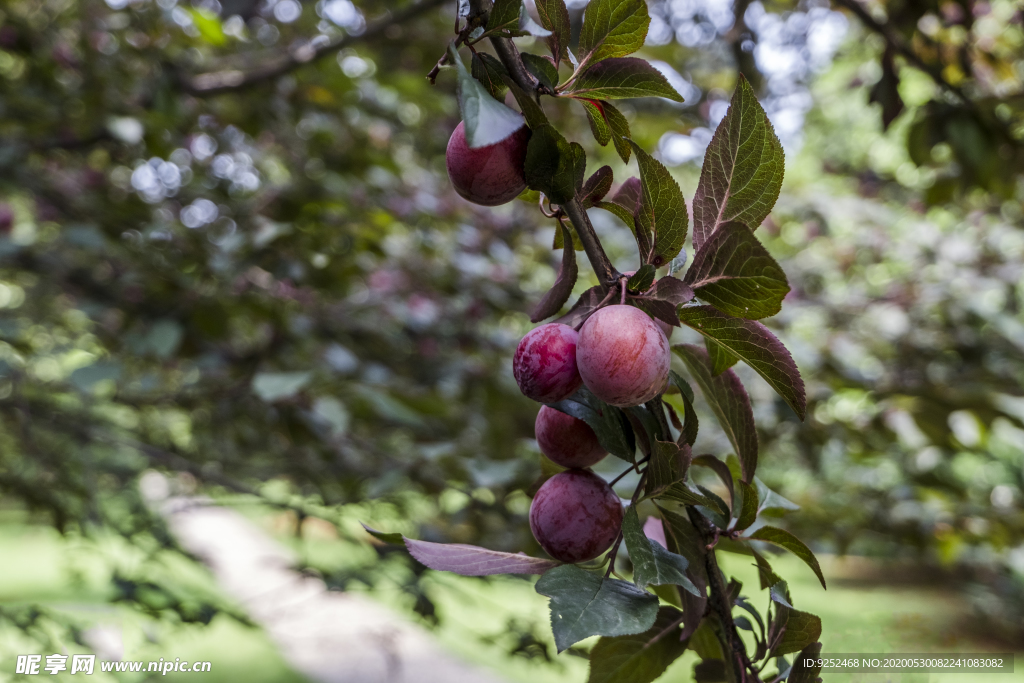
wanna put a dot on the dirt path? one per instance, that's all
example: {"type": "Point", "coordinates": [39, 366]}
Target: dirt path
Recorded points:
{"type": "Point", "coordinates": [328, 636]}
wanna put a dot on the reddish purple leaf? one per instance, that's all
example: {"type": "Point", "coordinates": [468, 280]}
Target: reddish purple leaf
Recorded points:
{"type": "Point", "coordinates": [628, 194]}
{"type": "Point", "coordinates": [755, 345]}
{"type": "Point", "coordinates": [584, 306]}
{"type": "Point", "coordinates": [597, 186]}
{"type": "Point", "coordinates": [672, 290]}
{"type": "Point", "coordinates": [728, 401]}
{"type": "Point", "coordinates": [471, 560]}
{"type": "Point", "coordinates": [556, 297]}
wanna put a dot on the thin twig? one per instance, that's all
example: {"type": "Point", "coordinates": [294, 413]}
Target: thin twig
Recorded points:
{"type": "Point", "coordinates": [229, 80]}
{"type": "Point", "coordinates": [616, 480]}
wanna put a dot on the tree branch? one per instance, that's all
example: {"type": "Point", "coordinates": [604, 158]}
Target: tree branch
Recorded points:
{"type": "Point", "coordinates": [513, 63]}
{"type": "Point", "coordinates": [717, 600]}
{"type": "Point", "coordinates": [897, 43]}
{"type": "Point", "coordinates": [230, 80]}
{"type": "Point", "coordinates": [602, 265]}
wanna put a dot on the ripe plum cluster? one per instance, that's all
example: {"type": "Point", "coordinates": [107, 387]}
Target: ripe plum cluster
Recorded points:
{"type": "Point", "coordinates": [620, 354]}
{"type": "Point", "coordinates": [623, 358]}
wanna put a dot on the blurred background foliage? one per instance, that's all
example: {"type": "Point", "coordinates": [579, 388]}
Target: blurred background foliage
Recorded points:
{"type": "Point", "coordinates": [230, 253]}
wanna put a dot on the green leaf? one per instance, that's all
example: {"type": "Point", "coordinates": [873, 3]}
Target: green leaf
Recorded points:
{"type": "Point", "coordinates": [783, 538]}
{"type": "Point", "coordinates": [770, 500]}
{"type": "Point", "coordinates": [801, 629]}
{"type": "Point", "coordinates": [278, 386]}
{"type": "Point", "coordinates": [733, 272]}
{"type": "Point", "coordinates": [708, 646]}
{"type": "Point", "coordinates": [653, 565]}
{"type": "Point", "coordinates": [779, 592]}
{"type": "Point", "coordinates": [765, 572]}
{"type": "Point", "coordinates": [690, 424]}
{"type": "Point", "coordinates": [622, 78]}
{"type": "Point", "coordinates": [742, 603]}
{"type": "Point", "coordinates": [743, 167]}
{"type": "Point", "coordinates": [535, 117]}
{"type": "Point", "coordinates": [597, 186]}
{"type": "Point", "coordinates": [504, 15]}
{"type": "Point", "coordinates": [487, 120]}
{"type": "Point", "coordinates": [554, 165]}
{"type": "Point", "coordinates": [584, 605]}
{"type": "Point", "coordinates": [807, 665]}
{"type": "Point", "coordinates": [755, 345]}
{"type": "Point", "coordinates": [558, 242]}
{"type": "Point", "coordinates": [668, 466]}
{"type": "Point", "coordinates": [639, 658]}
{"type": "Point", "coordinates": [209, 26]}
{"type": "Point", "coordinates": [642, 279]}
{"type": "Point", "coordinates": [746, 511]}
{"type": "Point", "coordinates": [619, 127]}
{"type": "Point", "coordinates": [621, 212]}
{"type": "Point", "coordinates": [542, 68]}
{"type": "Point", "coordinates": [556, 297]}
{"type": "Point", "coordinates": [608, 123]}
{"type": "Point", "coordinates": [393, 538]}
{"type": "Point", "coordinates": [683, 539]}
{"type": "Point", "coordinates": [721, 360]}
{"type": "Point", "coordinates": [489, 71]}
{"type": "Point", "coordinates": [578, 167]}
{"type": "Point", "coordinates": [613, 28]}
{"type": "Point", "coordinates": [598, 125]}
{"type": "Point", "coordinates": [728, 401]}
{"type": "Point", "coordinates": [662, 211]}
{"type": "Point", "coordinates": [719, 468]}
{"type": "Point", "coordinates": [718, 512]}
{"type": "Point", "coordinates": [609, 424]}
{"type": "Point", "coordinates": [710, 671]}
{"type": "Point", "coordinates": [555, 18]}
{"type": "Point", "coordinates": [529, 27]}
{"type": "Point", "coordinates": [681, 492]}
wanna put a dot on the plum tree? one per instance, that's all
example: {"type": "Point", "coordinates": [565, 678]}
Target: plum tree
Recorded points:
{"type": "Point", "coordinates": [614, 340]}
{"type": "Point", "coordinates": [545, 363]}
{"type": "Point", "coordinates": [575, 516]}
{"type": "Point", "coordinates": [566, 440]}
{"type": "Point", "coordinates": [489, 175]}
{"type": "Point", "coordinates": [623, 356]}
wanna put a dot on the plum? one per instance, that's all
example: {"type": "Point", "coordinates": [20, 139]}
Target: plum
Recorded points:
{"type": "Point", "coordinates": [545, 363]}
{"type": "Point", "coordinates": [575, 516]}
{"type": "Point", "coordinates": [623, 356]}
{"type": "Point", "coordinates": [489, 175]}
{"type": "Point", "coordinates": [566, 440]}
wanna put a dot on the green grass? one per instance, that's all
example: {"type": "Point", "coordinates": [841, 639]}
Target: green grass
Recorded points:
{"type": "Point", "coordinates": [42, 567]}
